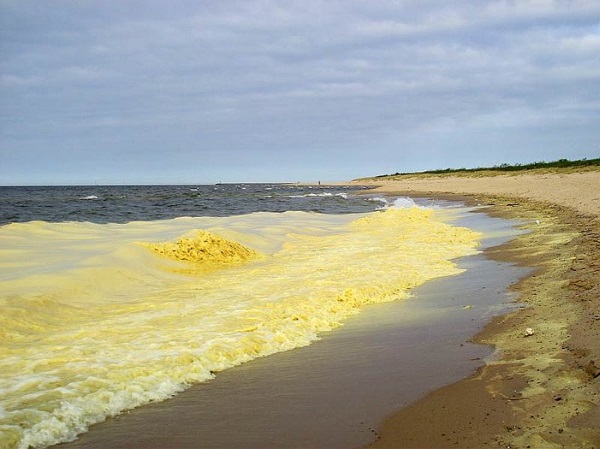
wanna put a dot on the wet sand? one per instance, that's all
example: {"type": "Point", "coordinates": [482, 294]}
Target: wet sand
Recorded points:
{"type": "Point", "coordinates": [542, 390]}
{"type": "Point", "coordinates": [335, 392]}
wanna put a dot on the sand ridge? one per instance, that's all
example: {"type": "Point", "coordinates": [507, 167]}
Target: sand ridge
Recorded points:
{"type": "Point", "coordinates": [543, 387]}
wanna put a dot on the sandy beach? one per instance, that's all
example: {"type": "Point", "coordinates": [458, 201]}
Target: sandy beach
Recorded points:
{"type": "Point", "coordinates": [542, 387]}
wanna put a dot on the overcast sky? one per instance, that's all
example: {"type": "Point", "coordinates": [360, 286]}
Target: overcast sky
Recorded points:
{"type": "Point", "coordinates": [168, 91]}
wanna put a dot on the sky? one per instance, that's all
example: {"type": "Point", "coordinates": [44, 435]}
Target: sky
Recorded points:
{"type": "Point", "coordinates": [196, 92]}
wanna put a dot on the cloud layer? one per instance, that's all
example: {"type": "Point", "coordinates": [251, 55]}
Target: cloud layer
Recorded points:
{"type": "Point", "coordinates": [187, 91]}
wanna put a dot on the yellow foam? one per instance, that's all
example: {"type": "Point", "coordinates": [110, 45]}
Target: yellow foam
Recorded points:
{"type": "Point", "coordinates": [204, 248]}
{"type": "Point", "coordinates": [90, 327]}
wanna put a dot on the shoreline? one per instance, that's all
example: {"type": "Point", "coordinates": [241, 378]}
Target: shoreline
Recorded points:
{"type": "Point", "coordinates": [540, 390]}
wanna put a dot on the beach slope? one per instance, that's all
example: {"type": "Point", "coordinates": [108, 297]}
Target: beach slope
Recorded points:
{"type": "Point", "coordinates": [542, 387]}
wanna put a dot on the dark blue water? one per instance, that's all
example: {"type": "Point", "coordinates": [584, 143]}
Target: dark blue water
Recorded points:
{"type": "Point", "coordinates": [122, 204]}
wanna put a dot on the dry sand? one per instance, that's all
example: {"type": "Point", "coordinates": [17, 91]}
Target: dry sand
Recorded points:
{"type": "Point", "coordinates": [540, 390]}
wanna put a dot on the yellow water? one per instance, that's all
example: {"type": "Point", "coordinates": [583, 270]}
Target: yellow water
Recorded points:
{"type": "Point", "coordinates": [98, 319]}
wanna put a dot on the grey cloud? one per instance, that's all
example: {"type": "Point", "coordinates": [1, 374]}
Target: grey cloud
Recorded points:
{"type": "Point", "coordinates": [272, 77]}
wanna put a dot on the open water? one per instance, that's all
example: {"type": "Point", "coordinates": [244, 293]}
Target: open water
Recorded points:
{"type": "Point", "coordinates": [122, 204]}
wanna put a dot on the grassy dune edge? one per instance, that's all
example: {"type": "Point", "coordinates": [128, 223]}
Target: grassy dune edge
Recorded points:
{"type": "Point", "coordinates": [560, 166]}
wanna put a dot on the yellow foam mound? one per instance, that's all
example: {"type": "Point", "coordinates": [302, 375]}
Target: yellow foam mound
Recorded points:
{"type": "Point", "coordinates": [206, 249]}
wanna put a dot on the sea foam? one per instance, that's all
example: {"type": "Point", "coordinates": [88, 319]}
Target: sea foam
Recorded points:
{"type": "Point", "coordinates": [98, 319]}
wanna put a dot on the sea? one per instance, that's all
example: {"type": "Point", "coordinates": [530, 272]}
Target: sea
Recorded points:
{"type": "Point", "coordinates": [114, 297]}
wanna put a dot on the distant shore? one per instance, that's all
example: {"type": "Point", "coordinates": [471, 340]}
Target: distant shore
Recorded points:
{"type": "Point", "coordinates": [543, 387]}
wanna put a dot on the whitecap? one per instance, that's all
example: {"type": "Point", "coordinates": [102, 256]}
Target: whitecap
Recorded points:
{"type": "Point", "coordinates": [404, 203]}
{"type": "Point", "coordinates": [322, 195]}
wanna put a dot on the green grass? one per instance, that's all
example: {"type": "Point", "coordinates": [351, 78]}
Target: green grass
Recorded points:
{"type": "Point", "coordinates": [554, 166]}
